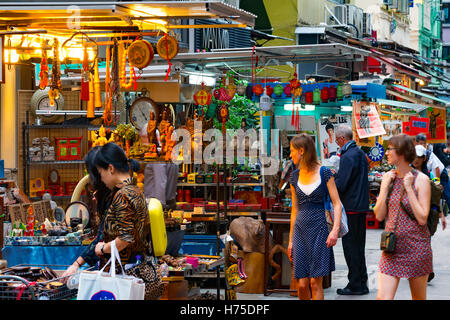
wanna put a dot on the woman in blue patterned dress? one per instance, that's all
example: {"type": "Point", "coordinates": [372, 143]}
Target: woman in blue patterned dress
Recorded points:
{"type": "Point", "coordinates": [310, 243]}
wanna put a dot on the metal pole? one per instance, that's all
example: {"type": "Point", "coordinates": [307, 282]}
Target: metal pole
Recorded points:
{"type": "Point", "coordinates": [218, 224]}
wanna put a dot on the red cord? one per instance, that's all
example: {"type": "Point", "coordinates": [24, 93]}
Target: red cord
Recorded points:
{"type": "Point", "coordinates": [168, 61]}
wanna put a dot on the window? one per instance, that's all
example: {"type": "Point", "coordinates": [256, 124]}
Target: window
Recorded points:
{"type": "Point", "coordinates": [446, 53]}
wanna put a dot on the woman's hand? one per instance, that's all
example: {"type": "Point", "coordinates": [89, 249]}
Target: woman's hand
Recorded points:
{"type": "Point", "coordinates": [408, 180]}
{"type": "Point", "coordinates": [70, 270]}
{"type": "Point", "coordinates": [332, 238]}
{"type": "Point", "coordinates": [443, 221]}
{"type": "Point", "coordinates": [388, 177]}
{"type": "Point", "coordinates": [98, 249]}
{"type": "Point", "coordinates": [290, 251]}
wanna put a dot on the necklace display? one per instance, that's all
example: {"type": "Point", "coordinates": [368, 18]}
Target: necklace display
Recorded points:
{"type": "Point", "coordinates": [124, 83]}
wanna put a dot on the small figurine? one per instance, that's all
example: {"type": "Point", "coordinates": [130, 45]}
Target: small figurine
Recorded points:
{"type": "Point", "coordinates": [163, 131]}
{"type": "Point", "coordinates": [101, 140]}
{"type": "Point", "coordinates": [170, 143]}
{"type": "Point", "coordinates": [151, 129]}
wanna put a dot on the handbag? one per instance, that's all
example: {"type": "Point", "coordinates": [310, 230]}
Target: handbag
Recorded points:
{"type": "Point", "coordinates": [329, 212]}
{"type": "Point", "coordinates": [149, 273]}
{"type": "Point", "coordinates": [388, 238]}
{"type": "Point", "coordinates": [99, 285]}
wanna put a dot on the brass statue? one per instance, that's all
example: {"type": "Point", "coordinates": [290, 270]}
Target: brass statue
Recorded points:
{"type": "Point", "coordinates": [151, 129]}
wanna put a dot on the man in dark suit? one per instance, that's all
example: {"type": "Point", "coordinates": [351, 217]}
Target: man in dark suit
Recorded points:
{"type": "Point", "coordinates": [353, 186]}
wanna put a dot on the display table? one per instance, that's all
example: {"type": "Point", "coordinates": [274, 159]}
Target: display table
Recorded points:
{"type": "Point", "coordinates": [41, 255]}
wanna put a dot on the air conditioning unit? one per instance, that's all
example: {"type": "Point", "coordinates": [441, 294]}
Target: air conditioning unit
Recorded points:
{"type": "Point", "coordinates": [435, 53]}
{"type": "Point", "coordinates": [355, 18]}
{"type": "Point", "coordinates": [404, 7]}
{"type": "Point", "coordinates": [441, 15]}
{"type": "Point", "coordinates": [367, 25]}
{"type": "Point", "coordinates": [234, 3]}
{"type": "Point", "coordinates": [395, 4]}
{"type": "Point", "coordinates": [387, 2]}
{"type": "Point", "coordinates": [340, 12]}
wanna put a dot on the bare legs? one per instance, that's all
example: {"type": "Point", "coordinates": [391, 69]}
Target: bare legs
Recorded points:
{"type": "Point", "coordinates": [310, 288]}
{"type": "Point", "coordinates": [387, 287]}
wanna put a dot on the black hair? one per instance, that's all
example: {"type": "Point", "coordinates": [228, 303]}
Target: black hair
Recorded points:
{"type": "Point", "coordinates": [329, 126]}
{"type": "Point", "coordinates": [101, 190]}
{"type": "Point", "coordinates": [112, 154]}
{"type": "Point", "coordinates": [421, 137]}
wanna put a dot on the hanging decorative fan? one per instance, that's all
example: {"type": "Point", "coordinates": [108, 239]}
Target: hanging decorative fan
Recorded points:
{"type": "Point", "coordinates": [140, 53]}
{"type": "Point", "coordinates": [167, 47]}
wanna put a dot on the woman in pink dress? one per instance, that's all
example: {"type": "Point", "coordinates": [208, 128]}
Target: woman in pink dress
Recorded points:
{"type": "Point", "coordinates": [412, 257]}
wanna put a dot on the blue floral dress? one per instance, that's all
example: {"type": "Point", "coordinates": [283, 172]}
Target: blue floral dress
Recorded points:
{"type": "Point", "coordinates": [311, 257]}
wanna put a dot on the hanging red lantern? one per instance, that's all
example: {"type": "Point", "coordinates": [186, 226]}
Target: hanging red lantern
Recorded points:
{"type": "Point", "coordinates": [309, 97]}
{"type": "Point", "coordinates": [287, 91]}
{"type": "Point", "coordinates": [258, 89]}
{"type": "Point", "coordinates": [332, 93]}
{"type": "Point", "coordinates": [324, 94]}
{"type": "Point", "coordinates": [269, 90]}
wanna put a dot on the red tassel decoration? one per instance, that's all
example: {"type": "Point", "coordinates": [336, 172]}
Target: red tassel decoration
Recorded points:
{"type": "Point", "coordinates": [85, 77]}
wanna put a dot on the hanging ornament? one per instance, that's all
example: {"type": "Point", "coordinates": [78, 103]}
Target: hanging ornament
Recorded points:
{"type": "Point", "coordinates": [167, 48]}
{"type": "Point", "coordinates": [223, 116]}
{"type": "Point", "coordinates": [90, 106]}
{"type": "Point", "coordinates": [249, 91]}
{"type": "Point", "coordinates": [43, 74]}
{"type": "Point", "coordinates": [223, 95]}
{"type": "Point", "coordinates": [296, 91]}
{"type": "Point", "coordinates": [123, 72]}
{"type": "Point", "coordinates": [287, 91]}
{"type": "Point", "coordinates": [309, 97]}
{"type": "Point", "coordinates": [347, 90]}
{"type": "Point", "coordinates": [55, 84]}
{"type": "Point", "coordinates": [332, 93]}
{"type": "Point", "coordinates": [269, 90]}
{"type": "Point", "coordinates": [85, 76]}
{"type": "Point", "coordinates": [278, 90]}
{"type": "Point", "coordinates": [324, 94]}
{"type": "Point", "coordinates": [216, 93]}
{"type": "Point", "coordinates": [107, 114]}
{"type": "Point", "coordinates": [316, 96]}
{"type": "Point", "coordinates": [202, 97]}
{"type": "Point", "coordinates": [231, 88]}
{"type": "Point", "coordinates": [241, 89]}
{"type": "Point", "coordinates": [97, 90]}
{"type": "Point", "coordinates": [258, 90]}
{"type": "Point", "coordinates": [339, 94]}
{"type": "Point", "coordinates": [140, 53]}
{"type": "Point", "coordinates": [265, 102]}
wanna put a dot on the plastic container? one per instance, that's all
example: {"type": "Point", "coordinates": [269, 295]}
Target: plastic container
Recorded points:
{"type": "Point", "coordinates": [158, 227]}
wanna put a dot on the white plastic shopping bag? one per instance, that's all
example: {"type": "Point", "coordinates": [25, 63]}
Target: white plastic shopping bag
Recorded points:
{"type": "Point", "coordinates": [99, 285]}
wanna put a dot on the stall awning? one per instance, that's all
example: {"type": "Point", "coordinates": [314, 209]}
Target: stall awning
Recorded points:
{"type": "Point", "coordinates": [416, 107]}
{"type": "Point", "coordinates": [446, 103]}
{"type": "Point", "coordinates": [96, 15]}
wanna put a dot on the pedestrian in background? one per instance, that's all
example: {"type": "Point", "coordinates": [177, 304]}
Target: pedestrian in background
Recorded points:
{"type": "Point", "coordinates": [310, 243]}
{"type": "Point", "coordinates": [353, 186]}
{"type": "Point", "coordinates": [412, 257]}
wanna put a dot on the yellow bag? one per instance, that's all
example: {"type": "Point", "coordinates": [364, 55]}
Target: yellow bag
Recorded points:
{"type": "Point", "coordinates": [157, 227]}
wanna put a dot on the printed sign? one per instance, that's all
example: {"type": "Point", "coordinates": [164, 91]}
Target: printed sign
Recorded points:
{"type": "Point", "coordinates": [367, 120]}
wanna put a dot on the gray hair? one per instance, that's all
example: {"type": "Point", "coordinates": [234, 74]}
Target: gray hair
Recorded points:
{"type": "Point", "coordinates": [345, 131]}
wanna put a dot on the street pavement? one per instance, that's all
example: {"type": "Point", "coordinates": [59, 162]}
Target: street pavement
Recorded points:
{"type": "Point", "coordinates": [438, 288]}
